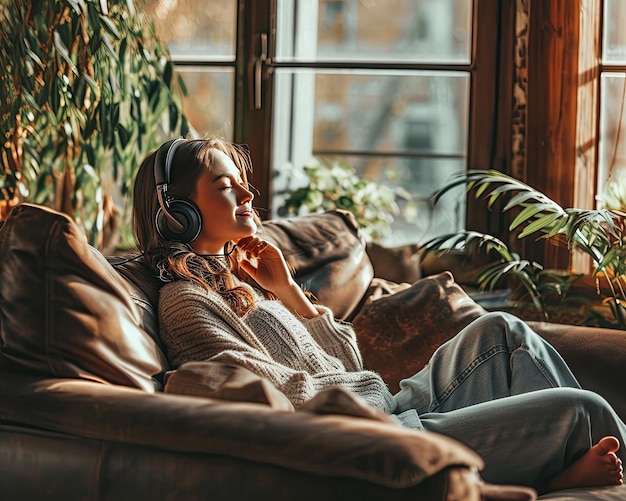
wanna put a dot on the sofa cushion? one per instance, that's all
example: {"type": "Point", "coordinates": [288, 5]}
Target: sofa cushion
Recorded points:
{"type": "Point", "coordinates": [64, 311]}
{"type": "Point", "coordinates": [143, 284]}
{"type": "Point", "coordinates": [401, 325]}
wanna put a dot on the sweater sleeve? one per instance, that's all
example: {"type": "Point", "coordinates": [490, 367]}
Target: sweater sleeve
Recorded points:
{"type": "Point", "coordinates": [196, 325]}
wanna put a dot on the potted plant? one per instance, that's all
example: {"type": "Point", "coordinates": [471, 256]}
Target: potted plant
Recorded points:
{"type": "Point", "coordinates": [335, 185]}
{"type": "Point", "coordinates": [599, 233]}
{"type": "Point", "coordinates": [86, 91]}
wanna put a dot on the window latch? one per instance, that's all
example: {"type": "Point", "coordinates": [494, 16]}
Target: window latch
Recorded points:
{"type": "Point", "coordinates": [260, 62]}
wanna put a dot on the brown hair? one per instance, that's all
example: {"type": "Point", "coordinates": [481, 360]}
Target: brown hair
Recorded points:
{"type": "Point", "coordinates": [176, 261]}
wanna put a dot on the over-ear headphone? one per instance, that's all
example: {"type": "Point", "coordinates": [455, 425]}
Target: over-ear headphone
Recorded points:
{"type": "Point", "coordinates": [176, 220]}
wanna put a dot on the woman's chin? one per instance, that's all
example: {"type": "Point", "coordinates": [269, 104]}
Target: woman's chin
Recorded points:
{"type": "Point", "coordinates": [249, 230]}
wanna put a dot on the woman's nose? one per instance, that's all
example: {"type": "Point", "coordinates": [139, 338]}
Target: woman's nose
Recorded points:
{"type": "Point", "coordinates": [245, 195]}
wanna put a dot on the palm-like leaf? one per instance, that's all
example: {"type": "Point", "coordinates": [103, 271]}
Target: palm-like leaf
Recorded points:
{"type": "Point", "coordinates": [599, 233]}
{"type": "Point", "coordinates": [470, 241]}
{"type": "Point", "coordinates": [492, 275]}
{"type": "Point", "coordinates": [593, 231]}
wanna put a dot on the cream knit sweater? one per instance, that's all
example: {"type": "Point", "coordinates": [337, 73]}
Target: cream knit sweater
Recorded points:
{"type": "Point", "coordinates": [300, 356]}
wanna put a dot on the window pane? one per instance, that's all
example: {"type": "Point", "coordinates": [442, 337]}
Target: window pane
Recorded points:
{"type": "Point", "coordinates": [372, 30]}
{"type": "Point", "coordinates": [420, 177]}
{"type": "Point", "coordinates": [209, 105]}
{"type": "Point", "coordinates": [612, 144]}
{"type": "Point", "coordinates": [407, 126]}
{"type": "Point", "coordinates": [196, 29]}
{"type": "Point", "coordinates": [614, 43]}
{"type": "Point", "coordinates": [392, 112]}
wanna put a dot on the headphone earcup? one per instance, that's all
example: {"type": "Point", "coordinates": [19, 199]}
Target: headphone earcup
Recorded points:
{"type": "Point", "coordinates": [187, 214]}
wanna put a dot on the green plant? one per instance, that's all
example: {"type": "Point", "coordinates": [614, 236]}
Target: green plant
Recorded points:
{"type": "Point", "coordinates": [334, 185]}
{"type": "Point", "coordinates": [599, 233]}
{"type": "Point", "coordinates": [87, 90]}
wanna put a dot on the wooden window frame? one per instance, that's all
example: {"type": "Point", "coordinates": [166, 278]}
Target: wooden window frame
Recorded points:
{"type": "Point", "coordinates": [253, 125]}
{"type": "Point", "coordinates": [562, 127]}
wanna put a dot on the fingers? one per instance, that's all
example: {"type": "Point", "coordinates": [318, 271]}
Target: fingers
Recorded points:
{"type": "Point", "coordinates": [262, 246]}
{"type": "Point", "coordinates": [253, 249]}
{"type": "Point", "coordinates": [253, 246]}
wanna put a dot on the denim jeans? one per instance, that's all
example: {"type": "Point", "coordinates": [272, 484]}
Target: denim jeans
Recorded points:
{"type": "Point", "coordinates": [503, 391]}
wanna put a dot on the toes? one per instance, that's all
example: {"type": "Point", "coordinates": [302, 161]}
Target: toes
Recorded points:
{"type": "Point", "coordinates": [608, 445]}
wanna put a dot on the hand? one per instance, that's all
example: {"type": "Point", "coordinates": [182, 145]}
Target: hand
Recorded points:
{"type": "Point", "coordinates": [265, 263]}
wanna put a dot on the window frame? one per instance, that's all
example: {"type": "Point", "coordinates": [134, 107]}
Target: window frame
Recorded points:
{"type": "Point", "coordinates": [564, 49]}
{"type": "Point", "coordinates": [253, 125]}
{"type": "Point", "coordinates": [561, 121]}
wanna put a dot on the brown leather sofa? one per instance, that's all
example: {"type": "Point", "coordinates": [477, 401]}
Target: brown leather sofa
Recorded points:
{"type": "Point", "coordinates": [90, 408]}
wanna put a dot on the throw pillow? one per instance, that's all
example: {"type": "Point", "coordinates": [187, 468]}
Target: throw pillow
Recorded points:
{"type": "Point", "coordinates": [221, 381]}
{"type": "Point", "coordinates": [400, 325]}
{"type": "Point", "coordinates": [64, 311]}
{"type": "Point", "coordinates": [224, 382]}
{"type": "Point", "coordinates": [396, 264]}
{"type": "Point", "coordinates": [339, 400]}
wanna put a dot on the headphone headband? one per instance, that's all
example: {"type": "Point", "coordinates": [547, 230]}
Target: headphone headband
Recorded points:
{"type": "Point", "coordinates": [164, 176]}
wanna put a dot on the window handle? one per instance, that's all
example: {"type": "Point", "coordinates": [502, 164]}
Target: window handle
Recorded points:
{"type": "Point", "coordinates": [260, 61]}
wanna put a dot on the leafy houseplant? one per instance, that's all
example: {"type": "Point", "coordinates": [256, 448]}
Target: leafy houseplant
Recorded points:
{"type": "Point", "coordinates": [599, 233]}
{"type": "Point", "coordinates": [334, 185]}
{"type": "Point", "coordinates": [87, 90]}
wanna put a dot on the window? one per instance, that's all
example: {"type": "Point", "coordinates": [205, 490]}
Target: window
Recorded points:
{"type": "Point", "coordinates": [381, 86]}
{"type": "Point", "coordinates": [202, 43]}
{"type": "Point", "coordinates": [404, 91]}
{"type": "Point", "coordinates": [422, 88]}
{"type": "Point", "coordinates": [611, 184]}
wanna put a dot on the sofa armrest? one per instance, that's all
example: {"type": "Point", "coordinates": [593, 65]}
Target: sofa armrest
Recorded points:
{"type": "Point", "coordinates": [596, 356]}
{"type": "Point", "coordinates": [330, 445]}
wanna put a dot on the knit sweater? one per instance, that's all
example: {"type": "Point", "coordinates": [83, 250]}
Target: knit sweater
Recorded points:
{"type": "Point", "coordinates": [299, 356]}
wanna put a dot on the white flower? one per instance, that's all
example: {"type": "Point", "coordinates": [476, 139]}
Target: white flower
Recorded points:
{"type": "Point", "coordinates": [613, 196]}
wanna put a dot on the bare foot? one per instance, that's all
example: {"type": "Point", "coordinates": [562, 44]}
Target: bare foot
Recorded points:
{"type": "Point", "coordinates": [599, 466]}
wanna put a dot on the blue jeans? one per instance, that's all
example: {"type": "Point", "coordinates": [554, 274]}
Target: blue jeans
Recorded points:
{"type": "Point", "coordinates": [503, 391]}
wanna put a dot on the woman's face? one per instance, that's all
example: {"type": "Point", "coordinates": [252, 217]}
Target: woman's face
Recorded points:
{"type": "Point", "coordinates": [225, 205]}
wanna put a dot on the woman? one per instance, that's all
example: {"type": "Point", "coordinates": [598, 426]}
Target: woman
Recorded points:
{"type": "Point", "coordinates": [228, 296]}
